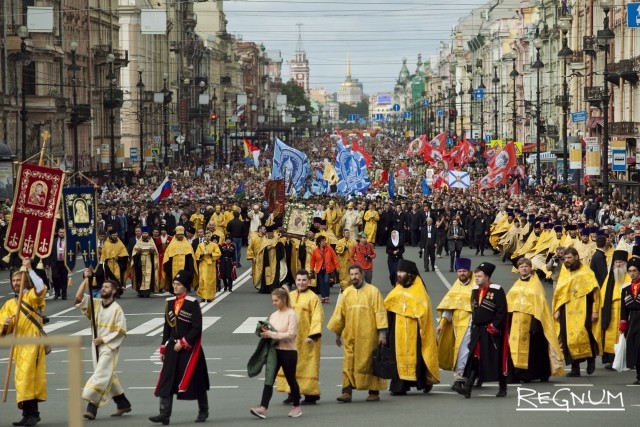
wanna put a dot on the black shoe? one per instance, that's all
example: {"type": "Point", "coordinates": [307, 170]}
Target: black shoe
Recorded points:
{"type": "Point", "coordinates": [451, 270]}
{"type": "Point", "coordinates": [573, 374]}
{"type": "Point", "coordinates": [398, 393]}
{"type": "Point", "coordinates": [591, 365]}
{"type": "Point", "coordinates": [427, 270]}
{"type": "Point", "coordinates": [502, 392]}
{"type": "Point", "coordinates": [476, 252]}
{"type": "Point", "coordinates": [202, 416]}
{"type": "Point", "coordinates": [306, 402]}
{"type": "Point", "coordinates": [56, 297]}
{"type": "Point", "coordinates": [288, 401]}
{"type": "Point", "coordinates": [27, 421]}
{"type": "Point", "coordinates": [160, 419]}
{"type": "Point", "coordinates": [239, 266]}
{"type": "Point", "coordinates": [608, 367]}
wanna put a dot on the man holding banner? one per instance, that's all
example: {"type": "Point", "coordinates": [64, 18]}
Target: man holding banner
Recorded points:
{"type": "Point", "coordinates": [30, 360]}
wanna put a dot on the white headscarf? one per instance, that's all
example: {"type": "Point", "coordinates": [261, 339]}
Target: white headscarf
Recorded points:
{"type": "Point", "coordinates": [395, 238]}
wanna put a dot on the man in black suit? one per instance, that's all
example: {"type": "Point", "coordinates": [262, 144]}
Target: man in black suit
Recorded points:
{"type": "Point", "coordinates": [599, 260]}
{"type": "Point", "coordinates": [384, 225]}
{"type": "Point", "coordinates": [428, 240]}
{"type": "Point", "coordinates": [399, 222]}
{"type": "Point", "coordinates": [480, 228]}
{"type": "Point", "coordinates": [416, 220]}
{"type": "Point", "coordinates": [59, 272]}
{"type": "Point", "coordinates": [113, 220]}
{"type": "Point", "coordinates": [132, 241]}
{"type": "Point", "coordinates": [455, 240]}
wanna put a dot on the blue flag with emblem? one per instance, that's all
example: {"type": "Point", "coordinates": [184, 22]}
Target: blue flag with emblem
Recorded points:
{"type": "Point", "coordinates": [79, 207]}
{"type": "Point", "coordinates": [392, 185]}
{"type": "Point", "coordinates": [425, 187]}
{"type": "Point", "coordinates": [351, 168]}
{"type": "Point", "coordinates": [291, 165]}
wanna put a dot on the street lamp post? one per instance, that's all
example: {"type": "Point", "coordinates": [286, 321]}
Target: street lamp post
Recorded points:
{"type": "Point", "coordinates": [605, 38]}
{"type": "Point", "coordinates": [483, 87]}
{"type": "Point", "coordinates": [202, 100]}
{"type": "Point", "coordinates": [470, 92]}
{"type": "Point", "coordinates": [225, 101]}
{"type": "Point", "coordinates": [461, 93]}
{"type": "Point", "coordinates": [25, 59]}
{"type": "Point", "coordinates": [165, 118]}
{"type": "Point", "coordinates": [73, 47]}
{"type": "Point", "coordinates": [565, 54]}
{"type": "Point", "coordinates": [112, 118]}
{"type": "Point", "coordinates": [216, 151]}
{"type": "Point", "coordinates": [495, 82]}
{"type": "Point", "coordinates": [140, 87]}
{"type": "Point", "coordinates": [538, 43]}
{"type": "Point", "coordinates": [514, 75]}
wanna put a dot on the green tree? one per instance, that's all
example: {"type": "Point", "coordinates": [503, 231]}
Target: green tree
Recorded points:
{"type": "Point", "coordinates": [297, 98]}
{"type": "Point", "coordinates": [362, 109]}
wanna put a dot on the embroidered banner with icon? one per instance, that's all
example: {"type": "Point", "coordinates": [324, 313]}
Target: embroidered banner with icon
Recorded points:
{"type": "Point", "coordinates": [79, 207]}
{"type": "Point", "coordinates": [34, 210]}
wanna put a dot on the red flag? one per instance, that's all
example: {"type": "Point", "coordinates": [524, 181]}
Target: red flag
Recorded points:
{"type": "Point", "coordinates": [439, 142]}
{"type": "Point", "coordinates": [402, 172]}
{"type": "Point", "coordinates": [493, 179]}
{"type": "Point", "coordinates": [367, 157]}
{"type": "Point", "coordinates": [430, 154]}
{"type": "Point", "coordinates": [519, 171]}
{"type": "Point", "coordinates": [415, 146]}
{"type": "Point", "coordinates": [514, 189]}
{"type": "Point", "coordinates": [505, 159]}
{"type": "Point", "coordinates": [384, 178]}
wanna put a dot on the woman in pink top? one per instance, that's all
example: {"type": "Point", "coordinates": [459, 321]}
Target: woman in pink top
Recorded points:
{"type": "Point", "coordinates": [285, 321]}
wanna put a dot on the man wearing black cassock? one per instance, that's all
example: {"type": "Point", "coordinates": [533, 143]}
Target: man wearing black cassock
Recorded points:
{"type": "Point", "coordinates": [630, 316]}
{"type": "Point", "coordinates": [184, 369]}
{"type": "Point", "coordinates": [488, 344]}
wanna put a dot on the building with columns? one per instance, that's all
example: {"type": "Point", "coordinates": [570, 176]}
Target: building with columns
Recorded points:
{"type": "Point", "coordinates": [351, 90]}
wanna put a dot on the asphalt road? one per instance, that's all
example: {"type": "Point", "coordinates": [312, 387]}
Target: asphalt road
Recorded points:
{"type": "Point", "coordinates": [228, 342]}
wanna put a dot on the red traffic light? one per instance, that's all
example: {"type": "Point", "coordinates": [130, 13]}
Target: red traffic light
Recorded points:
{"type": "Point", "coordinates": [214, 116]}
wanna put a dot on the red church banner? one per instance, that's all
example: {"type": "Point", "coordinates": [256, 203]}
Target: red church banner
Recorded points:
{"type": "Point", "coordinates": [35, 204]}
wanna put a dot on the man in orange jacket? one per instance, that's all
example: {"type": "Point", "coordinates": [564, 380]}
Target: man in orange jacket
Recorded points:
{"type": "Point", "coordinates": [363, 254]}
{"type": "Point", "coordinates": [323, 262]}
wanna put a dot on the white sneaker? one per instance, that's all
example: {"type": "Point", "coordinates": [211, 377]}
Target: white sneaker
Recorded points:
{"type": "Point", "coordinates": [259, 411]}
{"type": "Point", "coordinates": [295, 412]}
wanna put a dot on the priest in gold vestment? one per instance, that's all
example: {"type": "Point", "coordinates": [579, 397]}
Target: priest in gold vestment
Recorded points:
{"type": "Point", "coordinates": [206, 256]}
{"type": "Point", "coordinates": [343, 251]}
{"type": "Point", "coordinates": [453, 331]}
{"type": "Point", "coordinates": [360, 321]}
{"type": "Point", "coordinates": [145, 277]}
{"type": "Point", "coordinates": [308, 308]}
{"type": "Point", "coordinates": [371, 218]}
{"type": "Point", "coordinates": [114, 260]}
{"type": "Point", "coordinates": [177, 257]}
{"type": "Point", "coordinates": [610, 296]}
{"type": "Point", "coordinates": [576, 308]}
{"type": "Point", "coordinates": [533, 344]}
{"type": "Point", "coordinates": [30, 360]}
{"type": "Point", "coordinates": [411, 332]}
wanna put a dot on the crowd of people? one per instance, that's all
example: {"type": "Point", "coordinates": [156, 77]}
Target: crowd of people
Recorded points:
{"type": "Point", "coordinates": [195, 239]}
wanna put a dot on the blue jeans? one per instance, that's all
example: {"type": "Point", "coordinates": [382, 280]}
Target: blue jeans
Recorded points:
{"type": "Point", "coordinates": [322, 282]}
{"type": "Point", "coordinates": [237, 242]}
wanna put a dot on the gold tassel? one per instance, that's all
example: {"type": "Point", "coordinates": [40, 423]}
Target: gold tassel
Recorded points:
{"type": "Point", "coordinates": [40, 265]}
{"type": "Point", "coordinates": [6, 259]}
{"type": "Point", "coordinates": [69, 282]}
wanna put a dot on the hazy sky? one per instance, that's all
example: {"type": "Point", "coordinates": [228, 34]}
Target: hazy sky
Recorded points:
{"type": "Point", "coordinates": [376, 33]}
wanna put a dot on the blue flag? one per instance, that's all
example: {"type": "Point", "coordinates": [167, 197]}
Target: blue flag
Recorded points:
{"type": "Point", "coordinates": [79, 207]}
{"type": "Point", "coordinates": [291, 165]}
{"type": "Point", "coordinates": [351, 168]}
{"type": "Point", "coordinates": [392, 185]}
{"type": "Point", "coordinates": [425, 188]}
{"type": "Point", "coordinates": [240, 188]}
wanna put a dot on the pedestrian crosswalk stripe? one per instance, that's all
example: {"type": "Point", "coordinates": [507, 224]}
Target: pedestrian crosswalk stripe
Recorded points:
{"type": "Point", "coordinates": [248, 326]}
{"type": "Point", "coordinates": [57, 325]}
{"type": "Point", "coordinates": [151, 327]}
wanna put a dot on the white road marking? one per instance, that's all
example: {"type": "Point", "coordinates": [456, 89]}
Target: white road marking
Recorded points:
{"type": "Point", "coordinates": [62, 312]}
{"type": "Point", "coordinates": [248, 326]}
{"type": "Point", "coordinates": [235, 376]}
{"type": "Point", "coordinates": [147, 326]}
{"type": "Point", "coordinates": [57, 325]}
{"type": "Point", "coordinates": [573, 385]}
{"type": "Point", "coordinates": [206, 322]}
{"type": "Point", "coordinates": [441, 276]}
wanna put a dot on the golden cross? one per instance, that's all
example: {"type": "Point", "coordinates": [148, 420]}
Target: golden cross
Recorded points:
{"type": "Point", "coordinates": [70, 253]}
{"type": "Point", "coordinates": [45, 135]}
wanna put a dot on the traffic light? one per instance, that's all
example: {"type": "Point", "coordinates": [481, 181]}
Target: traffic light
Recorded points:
{"type": "Point", "coordinates": [214, 117]}
{"type": "Point", "coordinates": [452, 114]}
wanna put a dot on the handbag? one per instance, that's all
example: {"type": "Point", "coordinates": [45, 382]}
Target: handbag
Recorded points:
{"type": "Point", "coordinates": [620, 359]}
{"type": "Point", "coordinates": [384, 362]}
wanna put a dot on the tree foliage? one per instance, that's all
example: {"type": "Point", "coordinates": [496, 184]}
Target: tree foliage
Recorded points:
{"type": "Point", "coordinates": [362, 109]}
{"type": "Point", "coordinates": [296, 98]}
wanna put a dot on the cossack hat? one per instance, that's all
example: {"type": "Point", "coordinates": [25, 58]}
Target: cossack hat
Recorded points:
{"type": "Point", "coordinates": [184, 277]}
{"type": "Point", "coordinates": [487, 268]}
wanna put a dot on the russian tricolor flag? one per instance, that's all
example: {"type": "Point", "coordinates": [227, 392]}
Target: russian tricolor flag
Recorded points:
{"type": "Point", "coordinates": [163, 191]}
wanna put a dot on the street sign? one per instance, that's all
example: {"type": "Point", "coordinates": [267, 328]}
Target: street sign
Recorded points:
{"type": "Point", "coordinates": [157, 139]}
{"type": "Point", "coordinates": [155, 153]}
{"type": "Point", "coordinates": [396, 107]}
{"type": "Point", "coordinates": [478, 93]}
{"type": "Point", "coordinates": [440, 113]}
{"type": "Point", "coordinates": [180, 139]}
{"type": "Point", "coordinates": [353, 117]}
{"type": "Point", "coordinates": [487, 137]}
{"type": "Point", "coordinates": [425, 102]}
{"type": "Point", "coordinates": [619, 161]}
{"type": "Point", "coordinates": [579, 116]}
{"type": "Point", "coordinates": [406, 115]}
{"type": "Point", "coordinates": [449, 141]}
{"type": "Point", "coordinates": [633, 15]}
{"type": "Point", "coordinates": [133, 153]}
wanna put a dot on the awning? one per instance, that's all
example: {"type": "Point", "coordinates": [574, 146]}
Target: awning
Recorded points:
{"type": "Point", "coordinates": [544, 157]}
{"type": "Point", "coordinates": [594, 122]}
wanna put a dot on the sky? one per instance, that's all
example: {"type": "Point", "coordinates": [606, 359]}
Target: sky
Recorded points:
{"type": "Point", "coordinates": [377, 34]}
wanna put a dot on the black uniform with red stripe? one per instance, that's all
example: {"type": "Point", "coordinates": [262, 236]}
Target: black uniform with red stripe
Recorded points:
{"type": "Point", "coordinates": [184, 372]}
{"type": "Point", "coordinates": [630, 324]}
{"type": "Point", "coordinates": [488, 344]}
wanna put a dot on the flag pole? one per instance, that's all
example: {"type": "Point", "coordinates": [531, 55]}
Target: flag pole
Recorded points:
{"type": "Point", "coordinates": [23, 279]}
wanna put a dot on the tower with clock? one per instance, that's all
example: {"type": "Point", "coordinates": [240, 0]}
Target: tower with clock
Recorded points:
{"type": "Point", "coordinates": [299, 65]}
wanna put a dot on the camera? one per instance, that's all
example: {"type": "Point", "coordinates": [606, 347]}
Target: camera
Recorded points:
{"type": "Point", "coordinates": [45, 320]}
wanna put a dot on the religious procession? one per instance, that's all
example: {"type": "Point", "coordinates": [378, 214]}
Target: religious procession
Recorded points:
{"type": "Point", "coordinates": [312, 238]}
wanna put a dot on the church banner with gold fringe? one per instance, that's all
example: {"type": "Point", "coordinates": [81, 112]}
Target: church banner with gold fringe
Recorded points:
{"type": "Point", "coordinates": [79, 207]}
{"type": "Point", "coordinates": [34, 210]}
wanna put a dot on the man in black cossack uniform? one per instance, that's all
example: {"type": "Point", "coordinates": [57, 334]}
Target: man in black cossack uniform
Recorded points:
{"type": "Point", "coordinates": [488, 347]}
{"type": "Point", "coordinates": [184, 370]}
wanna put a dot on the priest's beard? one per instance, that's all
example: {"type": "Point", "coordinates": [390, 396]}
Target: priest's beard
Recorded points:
{"type": "Point", "coordinates": [619, 273]}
